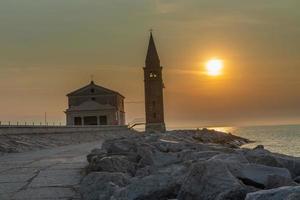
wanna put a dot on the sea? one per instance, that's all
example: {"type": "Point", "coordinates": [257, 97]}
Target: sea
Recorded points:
{"type": "Point", "coordinates": [283, 139]}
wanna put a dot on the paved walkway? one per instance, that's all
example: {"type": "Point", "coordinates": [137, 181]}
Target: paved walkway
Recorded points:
{"type": "Point", "coordinates": [44, 174]}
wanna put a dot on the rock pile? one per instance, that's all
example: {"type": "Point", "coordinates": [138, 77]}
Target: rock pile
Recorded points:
{"type": "Point", "coordinates": [188, 165]}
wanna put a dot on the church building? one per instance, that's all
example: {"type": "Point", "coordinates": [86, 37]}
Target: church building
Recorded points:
{"type": "Point", "coordinates": [95, 105]}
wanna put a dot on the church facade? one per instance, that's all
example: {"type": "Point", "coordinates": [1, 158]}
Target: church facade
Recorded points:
{"type": "Point", "coordinates": [95, 105]}
{"type": "Point", "coordinates": [153, 83]}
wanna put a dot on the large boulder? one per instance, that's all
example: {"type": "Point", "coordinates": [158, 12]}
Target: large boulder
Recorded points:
{"type": "Point", "coordinates": [259, 155]}
{"type": "Point", "coordinates": [192, 155]}
{"type": "Point", "coordinates": [102, 185]}
{"type": "Point", "coordinates": [158, 186]}
{"type": "Point", "coordinates": [120, 146]}
{"type": "Point", "coordinates": [96, 154]}
{"type": "Point", "coordinates": [231, 158]}
{"type": "Point", "coordinates": [258, 176]}
{"type": "Point", "coordinates": [145, 155]}
{"type": "Point", "coordinates": [211, 180]}
{"type": "Point", "coordinates": [113, 164]}
{"type": "Point", "coordinates": [161, 183]}
{"type": "Point", "coordinates": [275, 181]}
{"type": "Point", "coordinates": [283, 193]}
{"type": "Point", "coordinates": [161, 159]}
{"type": "Point", "coordinates": [262, 177]}
{"type": "Point", "coordinates": [290, 163]}
{"type": "Point", "coordinates": [145, 171]}
{"type": "Point", "coordinates": [170, 146]}
{"type": "Point", "coordinates": [149, 155]}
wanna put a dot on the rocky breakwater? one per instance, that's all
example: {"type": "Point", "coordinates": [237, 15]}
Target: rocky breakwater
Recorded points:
{"type": "Point", "coordinates": [188, 165]}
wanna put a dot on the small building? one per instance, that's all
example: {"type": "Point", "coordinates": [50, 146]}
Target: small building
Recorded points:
{"type": "Point", "coordinates": [95, 105]}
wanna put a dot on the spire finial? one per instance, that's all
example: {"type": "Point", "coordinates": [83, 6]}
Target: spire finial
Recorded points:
{"type": "Point", "coordinates": [92, 79]}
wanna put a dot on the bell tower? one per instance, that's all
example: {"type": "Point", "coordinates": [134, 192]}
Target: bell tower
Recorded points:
{"type": "Point", "coordinates": [154, 104]}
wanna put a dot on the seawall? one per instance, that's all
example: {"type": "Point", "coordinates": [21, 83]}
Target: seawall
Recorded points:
{"type": "Point", "coordinates": [29, 130]}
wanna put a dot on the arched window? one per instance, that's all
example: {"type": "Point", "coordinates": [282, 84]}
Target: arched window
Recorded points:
{"type": "Point", "coordinates": [153, 75]}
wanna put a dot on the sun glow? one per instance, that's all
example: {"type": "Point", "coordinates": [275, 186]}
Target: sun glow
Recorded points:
{"type": "Point", "coordinates": [214, 67]}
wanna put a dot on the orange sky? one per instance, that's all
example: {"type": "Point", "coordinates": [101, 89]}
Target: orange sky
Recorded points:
{"type": "Point", "coordinates": [50, 47]}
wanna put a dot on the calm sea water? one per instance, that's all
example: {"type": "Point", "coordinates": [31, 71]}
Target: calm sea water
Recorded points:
{"type": "Point", "coordinates": [281, 139]}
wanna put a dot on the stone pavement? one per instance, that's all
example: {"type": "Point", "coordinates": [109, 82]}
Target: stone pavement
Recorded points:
{"type": "Point", "coordinates": [44, 174]}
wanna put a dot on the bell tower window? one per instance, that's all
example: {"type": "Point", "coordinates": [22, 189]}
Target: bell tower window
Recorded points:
{"type": "Point", "coordinates": [153, 75]}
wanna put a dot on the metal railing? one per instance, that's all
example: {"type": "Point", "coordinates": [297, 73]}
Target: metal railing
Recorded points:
{"type": "Point", "coordinates": [9, 124]}
{"type": "Point", "coordinates": [15, 124]}
{"type": "Point", "coordinates": [136, 122]}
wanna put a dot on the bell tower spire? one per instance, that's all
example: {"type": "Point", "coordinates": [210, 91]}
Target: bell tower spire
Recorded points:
{"type": "Point", "coordinates": [154, 105]}
{"type": "Point", "coordinates": [152, 58]}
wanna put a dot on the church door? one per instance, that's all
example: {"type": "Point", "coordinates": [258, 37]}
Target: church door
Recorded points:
{"type": "Point", "coordinates": [91, 120]}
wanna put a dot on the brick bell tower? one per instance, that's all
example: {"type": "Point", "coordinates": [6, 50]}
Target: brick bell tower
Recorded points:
{"type": "Point", "coordinates": [154, 104]}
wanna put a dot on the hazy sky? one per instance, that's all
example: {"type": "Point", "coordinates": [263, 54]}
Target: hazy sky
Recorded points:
{"type": "Point", "coordinates": [51, 47]}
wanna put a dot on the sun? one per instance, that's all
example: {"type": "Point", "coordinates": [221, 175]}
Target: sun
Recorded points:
{"type": "Point", "coordinates": [214, 67]}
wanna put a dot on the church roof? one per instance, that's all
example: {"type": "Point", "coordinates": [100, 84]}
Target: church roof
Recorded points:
{"type": "Point", "coordinates": [98, 90]}
{"type": "Point", "coordinates": [152, 57]}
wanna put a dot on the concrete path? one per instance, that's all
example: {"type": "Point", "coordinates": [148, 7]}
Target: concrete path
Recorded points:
{"type": "Point", "coordinates": [44, 174]}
